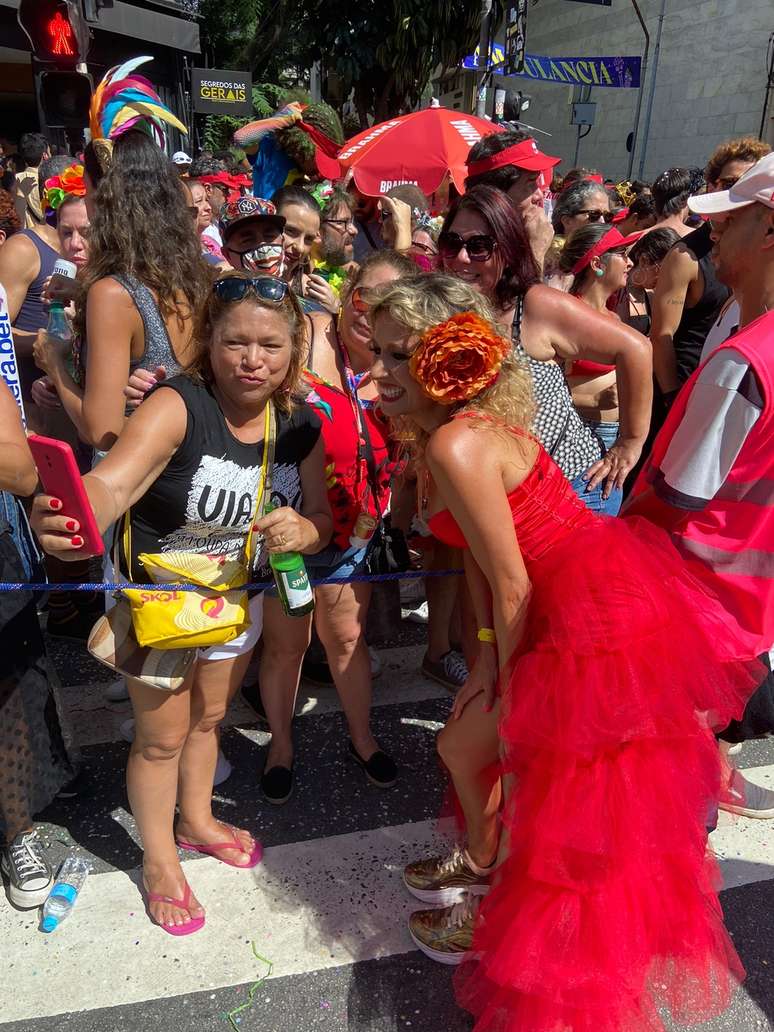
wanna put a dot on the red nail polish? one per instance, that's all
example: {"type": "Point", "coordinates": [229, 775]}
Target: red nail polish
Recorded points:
{"type": "Point", "coordinates": [54, 503]}
{"type": "Point", "coordinates": [71, 525]}
{"type": "Point", "coordinates": [77, 541]}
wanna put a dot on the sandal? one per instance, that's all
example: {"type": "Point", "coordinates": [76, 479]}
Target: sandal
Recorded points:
{"type": "Point", "coordinates": [215, 849]}
{"type": "Point", "coordinates": [192, 925]}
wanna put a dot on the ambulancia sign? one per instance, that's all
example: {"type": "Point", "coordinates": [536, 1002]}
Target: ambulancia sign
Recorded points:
{"type": "Point", "coordinates": [216, 91]}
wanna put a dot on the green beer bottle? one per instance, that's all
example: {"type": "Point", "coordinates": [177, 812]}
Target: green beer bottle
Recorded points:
{"type": "Point", "coordinates": [292, 581]}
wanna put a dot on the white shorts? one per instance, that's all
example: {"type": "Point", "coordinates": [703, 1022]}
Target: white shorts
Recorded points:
{"type": "Point", "coordinates": [245, 642]}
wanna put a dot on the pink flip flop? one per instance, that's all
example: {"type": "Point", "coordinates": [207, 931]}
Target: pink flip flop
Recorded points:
{"type": "Point", "coordinates": [190, 926]}
{"type": "Point", "coordinates": [215, 849]}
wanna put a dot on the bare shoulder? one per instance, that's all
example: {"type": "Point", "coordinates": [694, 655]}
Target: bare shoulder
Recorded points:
{"type": "Point", "coordinates": [19, 253]}
{"type": "Point", "coordinates": [163, 411]}
{"type": "Point", "coordinates": [108, 291]}
{"type": "Point", "coordinates": [476, 448]}
{"type": "Point", "coordinates": [680, 261]}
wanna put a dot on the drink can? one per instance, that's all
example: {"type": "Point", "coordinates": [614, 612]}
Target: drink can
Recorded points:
{"type": "Point", "coordinates": [363, 531]}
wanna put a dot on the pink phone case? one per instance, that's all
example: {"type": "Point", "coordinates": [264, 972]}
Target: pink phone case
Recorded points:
{"type": "Point", "coordinates": [60, 477]}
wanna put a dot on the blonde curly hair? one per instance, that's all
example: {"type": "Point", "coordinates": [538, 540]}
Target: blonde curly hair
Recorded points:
{"type": "Point", "coordinates": [424, 301]}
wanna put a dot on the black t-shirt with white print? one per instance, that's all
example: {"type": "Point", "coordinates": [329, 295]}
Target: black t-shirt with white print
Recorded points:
{"type": "Point", "coordinates": [204, 499]}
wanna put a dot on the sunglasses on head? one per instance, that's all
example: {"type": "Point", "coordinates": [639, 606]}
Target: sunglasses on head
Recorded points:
{"type": "Point", "coordinates": [358, 301]}
{"type": "Point", "coordinates": [236, 288]}
{"type": "Point", "coordinates": [480, 247]}
{"type": "Point", "coordinates": [596, 215]}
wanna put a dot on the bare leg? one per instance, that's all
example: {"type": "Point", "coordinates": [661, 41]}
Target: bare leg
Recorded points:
{"type": "Point", "coordinates": [161, 728]}
{"type": "Point", "coordinates": [285, 640]}
{"type": "Point", "coordinates": [441, 599]}
{"type": "Point", "coordinates": [340, 620]}
{"type": "Point", "coordinates": [214, 684]}
{"type": "Point", "coordinates": [470, 747]}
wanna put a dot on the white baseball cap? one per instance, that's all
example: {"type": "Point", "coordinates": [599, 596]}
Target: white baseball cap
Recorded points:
{"type": "Point", "coordinates": [757, 184]}
{"type": "Point", "coordinates": [181, 158]}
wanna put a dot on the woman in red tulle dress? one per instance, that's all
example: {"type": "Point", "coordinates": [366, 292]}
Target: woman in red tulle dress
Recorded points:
{"type": "Point", "coordinates": [613, 665]}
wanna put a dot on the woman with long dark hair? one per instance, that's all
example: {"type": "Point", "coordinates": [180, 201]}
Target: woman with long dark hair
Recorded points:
{"type": "Point", "coordinates": [484, 244]}
{"type": "Point", "coordinates": [144, 278]}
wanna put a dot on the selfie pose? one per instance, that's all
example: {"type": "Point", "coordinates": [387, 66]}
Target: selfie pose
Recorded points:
{"type": "Point", "coordinates": [188, 471]}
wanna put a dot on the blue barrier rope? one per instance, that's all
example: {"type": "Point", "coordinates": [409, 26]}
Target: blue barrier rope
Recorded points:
{"type": "Point", "coordinates": [358, 578]}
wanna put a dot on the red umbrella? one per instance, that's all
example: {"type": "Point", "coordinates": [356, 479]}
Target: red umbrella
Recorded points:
{"type": "Point", "coordinates": [420, 148]}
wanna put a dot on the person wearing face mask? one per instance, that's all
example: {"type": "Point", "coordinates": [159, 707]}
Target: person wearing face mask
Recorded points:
{"type": "Point", "coordinates": [596, 258]}
{"type": "Point", "coordinates": [484, 243]}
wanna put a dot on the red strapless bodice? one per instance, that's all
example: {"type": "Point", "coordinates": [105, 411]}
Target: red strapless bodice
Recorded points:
{"type": "Point", "coordinates": [544, 507]}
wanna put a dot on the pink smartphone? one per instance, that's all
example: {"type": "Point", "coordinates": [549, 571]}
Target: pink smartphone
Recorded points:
{"type": "Point", "coordinates": [60, 477]}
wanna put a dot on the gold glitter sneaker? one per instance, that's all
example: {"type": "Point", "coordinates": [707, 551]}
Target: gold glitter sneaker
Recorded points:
{"type": "Point", "coordinates": [446, 934]}
{"type": "Point", "coordinates": [443, 881]}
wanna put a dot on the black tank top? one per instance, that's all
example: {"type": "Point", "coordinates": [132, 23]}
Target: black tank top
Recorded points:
{"type": "Point", "coordinates": [204, 499]}
{"type": "Point", "coordinates": [698, 321]}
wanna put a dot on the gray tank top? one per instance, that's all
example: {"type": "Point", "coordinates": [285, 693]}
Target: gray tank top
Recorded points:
{"type": "Point", "coordinates": [158, 346]}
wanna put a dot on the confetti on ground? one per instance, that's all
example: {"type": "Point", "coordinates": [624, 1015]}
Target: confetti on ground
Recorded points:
{"type": "Point", "coordinates": [234, 1021]}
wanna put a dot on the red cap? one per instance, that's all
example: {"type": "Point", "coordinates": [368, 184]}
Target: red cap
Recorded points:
{"type": "Point", "coordinates": [620, 215]}
{"type": "Point", "coordinates": [610, 241]}
{"type": "Point", "coordinates": [524, 155]}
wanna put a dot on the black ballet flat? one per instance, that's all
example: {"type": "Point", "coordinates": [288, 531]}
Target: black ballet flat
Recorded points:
{"type": "Point", "coordinates": [277, 785]}
{"type": "Point", "coordinates": [380, 769]}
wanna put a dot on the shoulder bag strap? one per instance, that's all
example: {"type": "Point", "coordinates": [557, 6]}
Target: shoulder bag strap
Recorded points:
{"type": "Point", "coordinates": [263, 494]}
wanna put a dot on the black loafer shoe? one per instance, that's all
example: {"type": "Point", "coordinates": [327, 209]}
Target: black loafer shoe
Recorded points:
{"type": "Point", "coordinates": [277, 785]}
{"type": "Point", "coordinates": [380, 768]}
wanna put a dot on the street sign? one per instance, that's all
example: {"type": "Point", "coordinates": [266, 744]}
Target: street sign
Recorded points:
{"type": "Point", "coordinates": [515, 37]}
{"type": "Point", "coordinates": [216, 91]}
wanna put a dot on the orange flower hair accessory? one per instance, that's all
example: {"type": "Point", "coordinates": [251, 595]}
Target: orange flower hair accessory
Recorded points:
{"type": "Point", "coordinates": [458, 359]}
{"type": "Point", "coordinates": [69, 183]}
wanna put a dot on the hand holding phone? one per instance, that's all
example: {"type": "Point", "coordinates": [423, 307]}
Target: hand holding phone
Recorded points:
{"type": "Point", "coordinates": [62, 518]}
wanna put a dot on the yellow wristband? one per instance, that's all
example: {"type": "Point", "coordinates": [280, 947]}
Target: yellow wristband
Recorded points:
{"type": "Point", "coordinates": [487, 635]}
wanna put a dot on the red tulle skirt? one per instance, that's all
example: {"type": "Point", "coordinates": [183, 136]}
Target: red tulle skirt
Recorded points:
{"type": "Point", "coordinates": [606, 909]}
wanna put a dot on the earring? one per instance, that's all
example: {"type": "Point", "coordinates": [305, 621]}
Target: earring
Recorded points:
{"type": "Point", "coordinates": [599, 272]}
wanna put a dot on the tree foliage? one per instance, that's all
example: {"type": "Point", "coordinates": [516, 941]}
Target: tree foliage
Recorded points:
{"type": "Point", "coordinates": [382, 52]}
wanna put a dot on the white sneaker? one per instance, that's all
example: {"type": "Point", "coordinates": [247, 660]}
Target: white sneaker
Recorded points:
{"type": "Point", "coordinates": [117, 691]}
{"type": "Point", "coordinates": [734, 750]}
{"type": "Point", "coordinates": [747, 799]}
{"type": "Point", "coordinates": [418, 614]}
{"type": "Point", "coordinates": [223, 769]}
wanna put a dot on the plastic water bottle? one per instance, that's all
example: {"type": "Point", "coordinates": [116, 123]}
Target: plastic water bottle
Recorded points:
{"type": "Point", "coordinates": [68, 884]}
{"type": "Point", "coordinates": [58, 324]}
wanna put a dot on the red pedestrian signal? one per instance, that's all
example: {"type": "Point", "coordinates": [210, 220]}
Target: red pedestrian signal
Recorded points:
{"type": "Point", "coordinates": [61, 39]}
{"type": "Point", "coordinates": [57, 31]}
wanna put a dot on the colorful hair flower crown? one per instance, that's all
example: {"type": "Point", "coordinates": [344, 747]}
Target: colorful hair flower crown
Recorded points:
{"type": "Point", "coordinates": [322, 192]}
{"type": "Point", "coordinates": [458, 359]}
{"type": "Point", "coordinates": [58, 189]}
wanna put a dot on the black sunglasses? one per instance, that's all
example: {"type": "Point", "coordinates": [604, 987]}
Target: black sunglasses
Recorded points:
{"type": "Point", "coordinates": [596, 215]}
{"type": "Point", "coordinates": [480, 247]}
{"type": "Point", "coordinates": [236, 288]}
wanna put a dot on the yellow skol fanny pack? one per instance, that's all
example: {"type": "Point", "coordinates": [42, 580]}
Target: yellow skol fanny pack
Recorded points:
{"type": "Point", "coordinates": [219, 611]}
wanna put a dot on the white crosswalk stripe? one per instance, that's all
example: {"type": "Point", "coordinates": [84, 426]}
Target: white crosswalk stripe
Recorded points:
{"type": "Point", "coordinates": [313, 905]}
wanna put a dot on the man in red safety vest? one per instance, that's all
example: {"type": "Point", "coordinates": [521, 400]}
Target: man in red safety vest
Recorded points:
{"type": "Point", "coordinates": [710, 477]}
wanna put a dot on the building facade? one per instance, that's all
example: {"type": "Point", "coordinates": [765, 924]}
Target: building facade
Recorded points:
{"type": "Point", "coordinates": [711, 76]}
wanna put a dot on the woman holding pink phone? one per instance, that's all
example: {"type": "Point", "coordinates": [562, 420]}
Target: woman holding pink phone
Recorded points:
{"type": "Point", "coordinates": [187, 468]}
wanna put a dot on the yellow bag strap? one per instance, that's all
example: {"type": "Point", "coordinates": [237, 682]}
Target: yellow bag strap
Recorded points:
{"type": "Point", "coordinates": [263, 494]}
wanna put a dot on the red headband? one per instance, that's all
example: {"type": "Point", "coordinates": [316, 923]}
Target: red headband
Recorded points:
{"type": "Point", "coordinates": [610, 241]}
{"type": "Point", "coordinates": [524, 155]}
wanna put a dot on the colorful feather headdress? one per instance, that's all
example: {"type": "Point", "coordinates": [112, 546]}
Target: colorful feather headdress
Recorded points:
{"type": "Point", "coordinates": [125, 100]}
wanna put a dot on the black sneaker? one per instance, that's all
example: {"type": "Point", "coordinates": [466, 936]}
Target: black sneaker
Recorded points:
{"type": "Point", "coordinates": [380, 769]}
{"type": "Point", "coordinates": [277, 785]}
{"type": "Point", "coordinates": [29, 876]}
{"type": "Point", "coordinates": [77, 786]}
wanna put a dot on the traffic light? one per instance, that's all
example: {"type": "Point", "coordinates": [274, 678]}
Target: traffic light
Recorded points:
{"type": "Point", "coordinates": [57, 31]}
{"type": "Point", "coordinates": [60, 41]}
